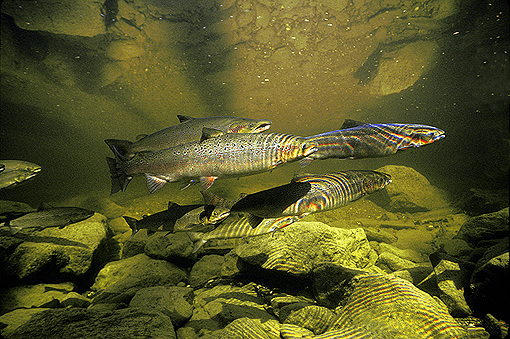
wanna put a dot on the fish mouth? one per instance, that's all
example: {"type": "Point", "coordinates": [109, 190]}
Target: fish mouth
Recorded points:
{"type": "Point", "coordinates": [262, 128]}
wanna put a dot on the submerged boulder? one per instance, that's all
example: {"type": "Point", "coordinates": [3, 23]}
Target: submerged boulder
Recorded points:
{"type": "Point", "coordinates": [299, 247]}
{"type": "Point", "coordinates": [67, 254]}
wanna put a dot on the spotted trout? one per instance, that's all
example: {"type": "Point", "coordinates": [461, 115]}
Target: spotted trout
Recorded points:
{"type": "Point", "coordinates": [189, 130]}
{"type": "Point", "coordinates": [356, 140]}
{"type": "Point", "coordinates": [217, 155]}
{"type": "Point", "coordinates": [312, 193]}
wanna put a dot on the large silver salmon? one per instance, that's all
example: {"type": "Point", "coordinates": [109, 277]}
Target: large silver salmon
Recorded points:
{"type": "Point", "coordinates": [312, 193]}
{"type": "Point", "coordinates": [217, 155]}
{"type": "Point", "coordinates": [189, 130]}
{"type": "Point", "coordinates": [356, 140]}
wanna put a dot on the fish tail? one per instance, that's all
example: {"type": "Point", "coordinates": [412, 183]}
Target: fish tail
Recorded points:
{"type": "Point", "coordinates": [120, 179]}
{"type": "Point", "coordinates": [132, 223]}
{"type": "Point", "coordinates": [120, 148]}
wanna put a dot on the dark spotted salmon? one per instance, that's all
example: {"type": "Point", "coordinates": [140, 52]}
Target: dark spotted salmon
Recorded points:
{"type": "Point", "coordinates": [217, 155]}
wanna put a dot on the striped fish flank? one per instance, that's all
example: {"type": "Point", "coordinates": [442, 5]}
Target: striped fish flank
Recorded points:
{"type": "Point", "coordinates": [310, 193]}
{"type": "Point", "coordinates": [240, 227]}
{"type": "Point", "coordinates": [217, 155]}
{"type": "Point", "coordinates": [336, 189]}
{"type": "Point", "coordinates": [356, 140]}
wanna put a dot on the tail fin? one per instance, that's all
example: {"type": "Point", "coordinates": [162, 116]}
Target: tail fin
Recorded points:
{"type": "Point", "coordinates": [119, 178]}
{"type": "Point", "coordinates": [120, 148]}
{"type": "Point", "coordinates": [132, 223]}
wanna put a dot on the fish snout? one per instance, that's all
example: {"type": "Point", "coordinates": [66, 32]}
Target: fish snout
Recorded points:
{"type": "Point", "coordinates": [309, 147]}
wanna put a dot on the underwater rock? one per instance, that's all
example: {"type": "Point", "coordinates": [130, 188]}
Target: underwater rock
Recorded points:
{"type": "Point", "coordinates": [478, 201]}
{"type": "Point", "coordinates": [451, 282]}
{"type": "Point", "coordinates": [173, 301]}
{"type": "Point", "coordinates": [215, 308]}
{"type": "Point", "coordinates": [391, 262]}
{"type": "Point", "coordinates": [207, 268]}
{"type": "Point", "coordinates": [149, 272]}
{"type": "Point", "coordinates": [488, 287]}
{"type": "Point", "coordinates": [172, 247]}
{"type": "Point", "coordinates": [391, 307]}
{"type": "Point", "coordinates": [407, 254]}
{"type": "Point", "coordinates": [379, 235]}
{"type": "Point", "coordinates": [414, 274]}
{"type": "Point", "coordinates": [400, 69]}
{"type": "Point", "coordinates": [41, 295]}
{"type": "Point", "coordinates": [409, 192]}
{"type": "Point", "coordinates": [485, 227]}
{"type": "Point", "coordinates": [247, 328]}
{"type": "Point", "coordinates": [314, 318]}
{"type": "Point", "coordinates": [85, 323]}
{"type": "Point", "coordinates": [16, 318]}
{"type": "Point", "coordinates": [328, 283]}
{"type": "Point", "coordinates": [297, 248]}
{"type": "Point", "coordinates": [54, 254]}
{"type": "Point", "coordinates": [282, 305]}
{"type": "Point", "coordinates": [81, 18]}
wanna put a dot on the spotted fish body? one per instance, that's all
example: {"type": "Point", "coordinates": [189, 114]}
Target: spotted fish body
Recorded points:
{"type": "Point", "coordinates": [358, 140]}
{"type": "Point", "coordinates": [222, 155]}
{"type": "Point", "coordinates": [240, 228]}
{"type": "Point", "coordinates": [334, 190]}
{"type": "Point", "coordinates": [189, 130]}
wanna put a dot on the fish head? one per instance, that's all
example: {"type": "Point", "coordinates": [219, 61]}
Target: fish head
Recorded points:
{"type": "Point", "coordinates": [296, 148]}
{"type": "Point", "coordinates": [423, 135]}
{"type": "Point", "coordinates": [80, 214]}
{"type": "Point", "coordinates": [213, 214]}
{"type": "Point", "coordinates": [249, 126]}
{"type": "Point", "coordinates": [375, 181]}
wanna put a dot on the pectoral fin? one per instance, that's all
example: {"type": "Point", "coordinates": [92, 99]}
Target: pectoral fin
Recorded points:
{"type": "Point", "coordinates": [154, 183]}
{"type": "Point", "coordinates": [207, 181]}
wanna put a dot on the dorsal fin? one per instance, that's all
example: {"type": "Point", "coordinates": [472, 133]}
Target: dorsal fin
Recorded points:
{"type": "Point", "coordinates": [183, 118]}
{"type": "Point", "coordinates": [208, 133]}
{"type": "Point", "coordinates": [349, 123]}
{"type": "Point", "coordinates": [298, 176]}
{"type": "Point", "coordinates": [172, 204]}
{"type": "Point", "coordinates": [44, 206]}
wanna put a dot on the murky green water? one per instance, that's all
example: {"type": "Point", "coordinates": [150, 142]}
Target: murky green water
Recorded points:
{"type": "Point", "coordinates": [62, 95]}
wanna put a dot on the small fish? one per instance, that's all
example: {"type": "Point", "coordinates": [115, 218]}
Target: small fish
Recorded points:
{"type": "Point", "coordinates": [216, 155]}
{"type": "Point", "coordinates": [15, 172]}
{"type": "Point", "coordinates": [160, 221]}
{"type": "Point", "coordinates": [240, 227]}
{"type": "Point", "coordinates": [180, 218]}
{"type": "Point", "coordinates": [189, 130]}
{"type": "Point", "coordinates": [356, 140]}
{"type": "Point", "coordinates": [49, 217]}
{"type": "Point", "coordinates": [310, 193]}
{"type": "Point", "coordinates": [201, 219]}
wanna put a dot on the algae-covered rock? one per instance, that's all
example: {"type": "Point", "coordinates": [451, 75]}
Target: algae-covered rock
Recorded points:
{"type": "Point", "coordinates": [400, 69]}
{"type": "Point", "coordinates": [140, 267]}
{"type": "Point", "coordinates": [82, 18]}
{"type": "Point", "coordinates": [409, 192]}
{"type": "Point", "coordinates": [301, 246]}
{"type": "Point", "coordinates": [484, 227]}
{"type": "Point", "coordinates": [41, 295]}
{"type": "Point", "coordinates": [170, 300]}
{"type": "Point", "coordinates": [217, 307]}
{"type": "Point", "coordinates": [54, 254]}
{"type": "Point", "coordinates": [208, 267]}
{"type": "Point", "coordinates": [84, 323]}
